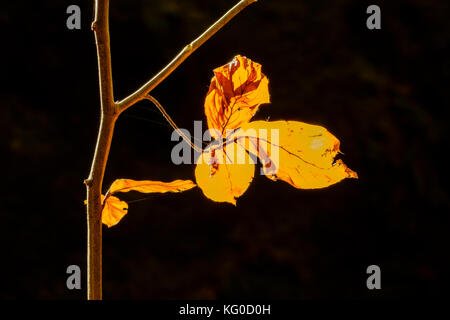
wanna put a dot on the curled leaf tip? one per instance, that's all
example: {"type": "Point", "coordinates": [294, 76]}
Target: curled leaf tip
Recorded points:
{"type": "Point", "coordinates": [351, 173]}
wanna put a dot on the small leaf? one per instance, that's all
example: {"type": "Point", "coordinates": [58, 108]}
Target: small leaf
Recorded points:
{"type": "Point", "coordinates": [235, 93]}
{"type": "Point", "coordinates": [113, 210]}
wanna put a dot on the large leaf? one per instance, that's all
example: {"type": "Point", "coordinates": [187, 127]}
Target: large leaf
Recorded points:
{"type": "Point", "coordinates": [301, 154]}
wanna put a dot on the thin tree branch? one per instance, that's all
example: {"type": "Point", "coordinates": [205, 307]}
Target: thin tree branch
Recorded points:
{"type": "Point", "coordinates": [100, 26]}
{"type": "Point", "coordinates": [186, 52]}
{"type": "Point", "coordinates": [172, 123]}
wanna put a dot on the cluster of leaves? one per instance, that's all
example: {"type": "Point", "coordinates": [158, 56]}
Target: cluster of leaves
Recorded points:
{"type": "Point", "coordinates": [301, 154]}
{"type": "Point", "coordinates": [304, 153]}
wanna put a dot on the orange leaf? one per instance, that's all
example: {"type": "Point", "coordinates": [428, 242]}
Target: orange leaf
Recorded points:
{"type": "Point", "coordinates": [224, 173]}
{"type": "Point", "coordinates": [147, 186]}
{"type": "Point", "coordinates": [113, 210]}
{"type": "Point", "coordinates": [298, 153]}
{"type": "Point", "coordinates": [235, 93]}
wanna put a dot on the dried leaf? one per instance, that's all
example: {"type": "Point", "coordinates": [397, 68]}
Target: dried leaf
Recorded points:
{"type": "Point", "coordinates": [147, 186]}
{"type": "Point", "coordinates": [235, 93]}
{"type": "Point", "coordinates": [305, 152]}
{"type": "Point", "coordinates": [224, 173]}
{"type": "Point", "coordinates": [113, 210]}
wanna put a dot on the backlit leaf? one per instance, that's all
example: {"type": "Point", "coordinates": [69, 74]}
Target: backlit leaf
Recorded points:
{"type": "Point", "coordinates": [224, 173]}
{"type": "Point", "coordinates": [235, 93]}
{"type": "Point", "coordinates": [113, 210]}
{"type": "Point", "coordinates": [301, 154]}
{"type": "Point", "coordinates": [147, 186]}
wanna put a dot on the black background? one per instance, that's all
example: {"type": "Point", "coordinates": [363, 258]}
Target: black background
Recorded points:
{"type": "Point", "coordinates": [383, 93]}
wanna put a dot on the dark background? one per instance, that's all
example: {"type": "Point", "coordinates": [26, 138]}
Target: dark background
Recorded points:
{"type": "Point", "coordinates": [383, 93]}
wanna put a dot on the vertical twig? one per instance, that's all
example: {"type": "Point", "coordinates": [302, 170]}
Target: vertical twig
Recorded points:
{"type": "Point", "coordinates": [94, 182]}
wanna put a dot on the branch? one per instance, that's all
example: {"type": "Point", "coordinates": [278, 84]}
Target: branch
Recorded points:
{"type": "Point", "coordinates": [100, 26]}
{"type": "Point", "coordinates": [186, 52]}
{"type": "Point", "coordinates": [172, 123]}
{"type": "Point", "coordinates": [105, 133]}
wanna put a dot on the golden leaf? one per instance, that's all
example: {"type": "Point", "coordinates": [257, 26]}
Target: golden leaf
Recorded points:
{"type": "Point", "coordinates": [301, 154]}
{"type": "Point", "coordinates": [296, 152]}
{"type": "Point", "coordinates": [235, 93]}
{"type": "Point", "coordinates": [147, 186]}
{"type": "Point", "coordinates": [224, 173]}
{"type": "Point", "coordinates": [113, 210]}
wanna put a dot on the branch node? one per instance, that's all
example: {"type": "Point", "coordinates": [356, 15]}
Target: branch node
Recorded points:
{"type": "Point", "coordinates": [188, 47]}
{"type": "Point", "coordinates": [94, 25]}
{"type": "Point", "coordinates": [88, 182]}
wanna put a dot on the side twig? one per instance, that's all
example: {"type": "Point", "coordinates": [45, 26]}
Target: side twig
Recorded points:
{"type": "Point", "coordinates": [172, 123]}
{"type": "Point", "coordinates": [186, 52]}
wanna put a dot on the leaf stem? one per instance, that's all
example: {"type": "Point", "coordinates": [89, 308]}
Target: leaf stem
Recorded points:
{"type": "Point", "coordinates": [172, 123]}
